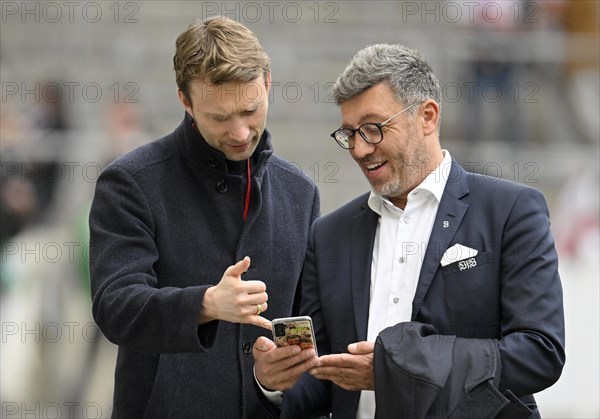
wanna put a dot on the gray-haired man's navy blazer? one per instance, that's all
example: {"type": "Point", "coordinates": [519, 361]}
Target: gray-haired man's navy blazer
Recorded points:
{"type": "Point", "coordinates": [510, 294]}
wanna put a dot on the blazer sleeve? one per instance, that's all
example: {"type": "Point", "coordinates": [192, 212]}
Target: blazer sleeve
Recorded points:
{"type": "Point", "coordinates": [310, 397]}
{"type": "Point", "coordinates": [128, 305]}
{"type": "Point", "coordinates": [532, 321]}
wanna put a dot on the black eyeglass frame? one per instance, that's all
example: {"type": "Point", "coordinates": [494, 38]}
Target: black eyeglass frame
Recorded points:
{"type": "Point", "coordinates": [379, 125]}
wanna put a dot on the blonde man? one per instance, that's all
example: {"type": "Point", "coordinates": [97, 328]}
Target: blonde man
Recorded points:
{"type": "Point", "coordinates": [190, 231]}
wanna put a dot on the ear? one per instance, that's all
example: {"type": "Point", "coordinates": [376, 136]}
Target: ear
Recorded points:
{"type": "Point", "coordinates": [268, 82]}
{"type": "Point", "coordinates": [185, 102]}
{"type": "Point", "coordinates": [431, 114]}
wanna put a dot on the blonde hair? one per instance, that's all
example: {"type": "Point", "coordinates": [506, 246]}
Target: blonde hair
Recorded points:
{"type": "Point", "coordinates": [218, 50]}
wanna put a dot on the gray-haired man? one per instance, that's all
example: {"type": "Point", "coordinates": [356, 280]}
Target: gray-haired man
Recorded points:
{"type": "Point", "coordinates": [437, 293]}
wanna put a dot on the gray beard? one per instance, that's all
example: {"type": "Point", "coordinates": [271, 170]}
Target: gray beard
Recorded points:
{"type": "Point", "coordinates": [412, 167]}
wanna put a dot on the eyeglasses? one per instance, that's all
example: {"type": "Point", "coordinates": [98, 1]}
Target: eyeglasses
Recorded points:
{"type": "Point", "coordinates": [371, 132]}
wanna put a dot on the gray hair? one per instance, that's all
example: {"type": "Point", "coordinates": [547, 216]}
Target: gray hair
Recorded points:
{"type": "Point", "coordinates": [403, 69]}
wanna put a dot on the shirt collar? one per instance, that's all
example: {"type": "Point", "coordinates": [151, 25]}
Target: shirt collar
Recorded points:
{"type": "Point", "coordinates": [433, 185]}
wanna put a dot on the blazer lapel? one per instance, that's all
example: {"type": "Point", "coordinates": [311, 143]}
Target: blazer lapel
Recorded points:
{"type": "Point", "coordinates": [361, 254]}
{"type": "Point", "coordinates": [449, 217]}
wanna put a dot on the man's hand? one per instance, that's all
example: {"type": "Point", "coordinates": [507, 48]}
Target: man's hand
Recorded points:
{"type": "Point", "coordinates": [353, 371]}
{"type": "Point", "coordinates": [280, 368]}
{"type": "Point", "coordinates": [235, 300]}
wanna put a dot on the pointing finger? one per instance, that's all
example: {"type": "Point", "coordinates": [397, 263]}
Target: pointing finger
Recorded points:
{"type": "Point", "coordinates": [260, 322]}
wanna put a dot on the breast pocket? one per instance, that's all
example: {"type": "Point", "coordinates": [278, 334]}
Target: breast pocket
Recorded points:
{"type": "Point", "coordinates": [468, 274]}
{"type": "Point", "coordinates": [471, 296]}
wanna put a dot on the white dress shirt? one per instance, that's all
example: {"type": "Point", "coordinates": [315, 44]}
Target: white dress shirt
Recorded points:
{"type": "Point", "coordinates": [400, 244]}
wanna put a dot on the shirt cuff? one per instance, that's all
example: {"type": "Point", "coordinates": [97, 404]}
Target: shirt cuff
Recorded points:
{"type": "Point", "coordinates": [275, 397]}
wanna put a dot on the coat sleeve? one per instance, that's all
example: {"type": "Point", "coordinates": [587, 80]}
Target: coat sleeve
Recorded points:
{"type": "Point", "coordinates": [440, 376]}
{"type": "Point", "coordinates": [128, 305]}
{"type": "Point", "coordinates": [532, 321]}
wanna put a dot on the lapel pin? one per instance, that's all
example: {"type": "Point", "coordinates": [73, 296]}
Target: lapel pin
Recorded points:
{"type": "Point", "coordinates": [446, 224]}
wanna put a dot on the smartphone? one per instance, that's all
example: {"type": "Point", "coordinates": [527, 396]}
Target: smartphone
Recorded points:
{"type": "Point", "coordinates": [294, 331]}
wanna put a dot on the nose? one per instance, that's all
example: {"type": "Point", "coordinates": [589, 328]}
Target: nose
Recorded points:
{"type": "Point", "coordinates": [240, 131]}
{"type": "Point", "coordinates": [361, 147]}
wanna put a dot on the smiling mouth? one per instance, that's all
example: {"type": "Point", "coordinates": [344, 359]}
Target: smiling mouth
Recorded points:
{"type": "Point", "coordinates": [372, 167]}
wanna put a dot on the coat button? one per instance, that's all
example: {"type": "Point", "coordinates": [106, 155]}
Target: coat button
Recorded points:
{"type": "Point", "coordinates": [222, 186]}
{"type": "Point", "coordinates": [246, 347]}
{"type": "Point", "coordinates": [211, 162]}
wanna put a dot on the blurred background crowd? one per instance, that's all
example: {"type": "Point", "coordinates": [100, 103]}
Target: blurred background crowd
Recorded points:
{"type": "Point", "coordinates": [85, 81]}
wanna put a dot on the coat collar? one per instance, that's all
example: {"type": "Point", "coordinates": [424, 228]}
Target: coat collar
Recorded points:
{"type": "Point", "coordinates": [206, 160]}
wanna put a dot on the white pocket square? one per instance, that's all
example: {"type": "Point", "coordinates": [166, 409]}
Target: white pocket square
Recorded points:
{"type": "Point", "coordinates": [456, 253]}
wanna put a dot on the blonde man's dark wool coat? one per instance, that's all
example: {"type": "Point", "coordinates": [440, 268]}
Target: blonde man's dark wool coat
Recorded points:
{"type": "Point", "coordinates": [166, 222]}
